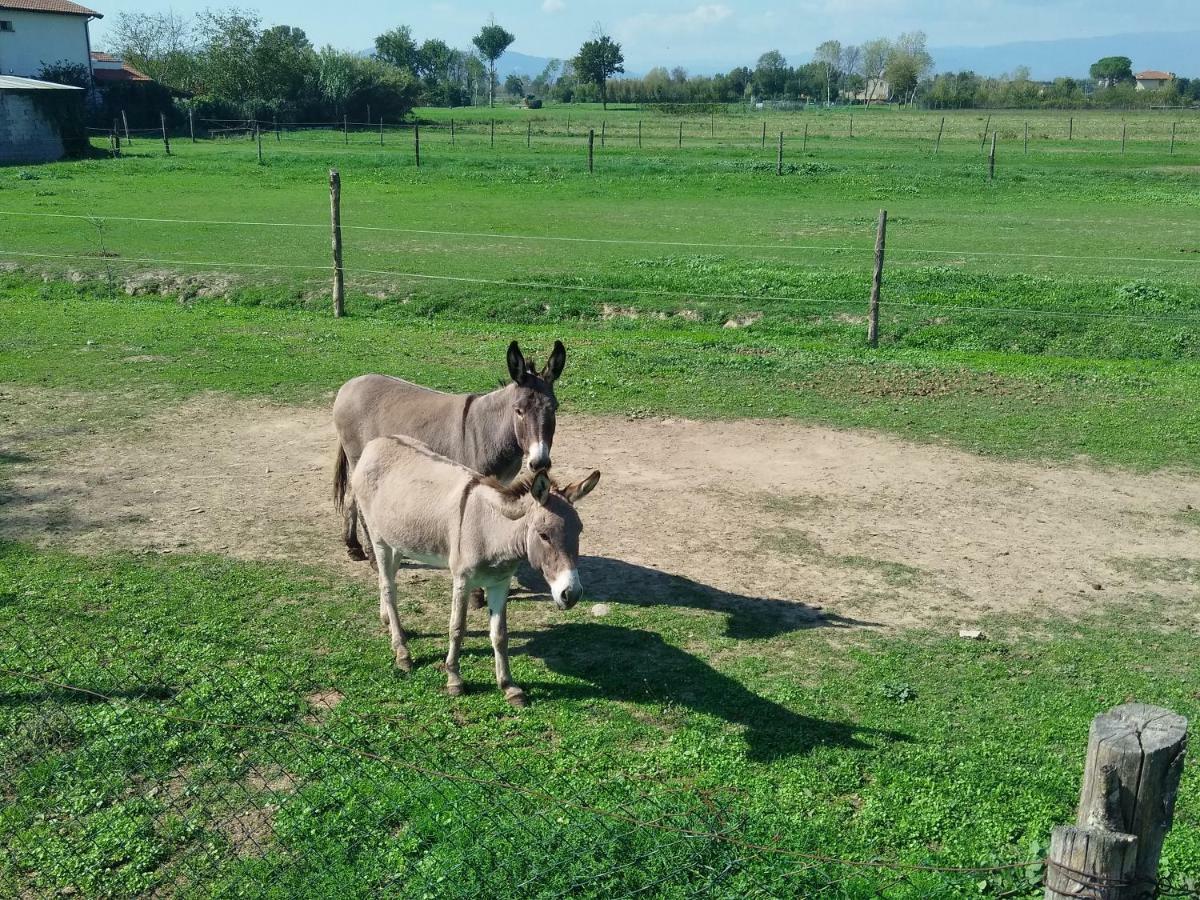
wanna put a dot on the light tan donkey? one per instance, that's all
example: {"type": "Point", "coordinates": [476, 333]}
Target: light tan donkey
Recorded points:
{"type": "Point", "coordinates": [425, 507]}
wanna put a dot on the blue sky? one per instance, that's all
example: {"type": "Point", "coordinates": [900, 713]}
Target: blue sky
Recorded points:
{"type": "Point", "coordinates": [707, 34]}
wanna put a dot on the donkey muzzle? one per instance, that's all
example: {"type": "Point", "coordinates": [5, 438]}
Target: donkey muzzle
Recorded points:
{"type": "Point", "coordinates": [539, 457]}
{"type": "Point", "coordinates": [566, 590]}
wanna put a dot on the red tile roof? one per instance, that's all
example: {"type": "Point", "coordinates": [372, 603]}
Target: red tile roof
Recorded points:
{"type": "Point", "coordinates": [109, 73]}
{"type": "Point", "coordinates": [50, 6]}
{"type": "Point", "coordinates": [98, 56]}
{"type": "Point", "coordinates": [1152, 75]}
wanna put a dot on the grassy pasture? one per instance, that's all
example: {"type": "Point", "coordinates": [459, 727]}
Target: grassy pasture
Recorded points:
{"type": "Point", "coordinates": [1053, 313]}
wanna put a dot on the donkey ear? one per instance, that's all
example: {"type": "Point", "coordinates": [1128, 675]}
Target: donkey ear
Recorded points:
{"type": "Point", "coordinates": [558, 359]}
{"type": "Point", "coordinates": [580, 489]}
{"type": "Point", "coordinates": [516, 363]}
{"type": "Point", "coordinates": [540, 489]}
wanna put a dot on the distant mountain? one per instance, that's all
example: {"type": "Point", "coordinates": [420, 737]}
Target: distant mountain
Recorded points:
{"type": "Point", "coordinates": [520, 64]}
{"type": "Point", "coordinates": [1173, 51]}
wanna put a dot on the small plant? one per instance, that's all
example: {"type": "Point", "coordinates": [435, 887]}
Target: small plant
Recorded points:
{"type": "Point", "coordinates": [899, 691]}
{"type": "Point", "coordinates": [26, 175]}
{"type": "Point", "coordinates": [1142, 294]}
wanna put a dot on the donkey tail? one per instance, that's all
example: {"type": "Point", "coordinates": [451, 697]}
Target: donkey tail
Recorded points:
{"type": "Point", "coordinates": [341, 479]}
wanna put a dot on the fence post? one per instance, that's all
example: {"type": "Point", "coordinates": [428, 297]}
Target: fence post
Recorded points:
{"type": "Point", "coordinates": [115, 139]}
{"type": "Point", "coordinates": [779, 156]}
{"type": "Point", "coordinates": [1070, 128]}
{"type": "Point", "coordinates": [681, 135]}
{"type": "Point", "coordinates": [275, 127]}
{"type": "Point", "coordinates": [938, 145]}
{"type": "Point", "coordinates": [1026, 138]}
{"type": "Point", "coordinates": [1173, 138]}
{"type": "Point", "coordinates": [417, 144]}
{"type": "Point", "coordinates": [346, 128]}
{"type": "Point", "coordinates": [591, 142]}
{"type": "Point", "coordinates": [258, 136]}
{"type": "Point", "coordinates": [1122, 137]}
{"type": "Point", "coordinates": [640, 136]}
{"type": "Point", "coordinates": [493, 138]}
{"type": "Point", "coordinates": [528, 135]}
{"type": "Point", "coordinates": [602, 127]}
{"type": "Point", "coordinates": [992, 159]}
{"type": "Point", "coordinates": [877, 281]}
{"type": "Point", "coordinates": [986, 126]}
{"type": "Point", "coordinates": [381, 131]}
{"type": "Point", "coordinates": [851, 124]}
{"type": "Point", "coordinates": [1088, 863]}
{"type": "Point", "coordinates": [162, 118]}
{"type": "Point", "coordinates": [335, 218]}
{"type": "Point", "coordinates": [452, 132]}
{"type": "Point", "coordinates": [191, 125]}
{"type": "Point", "coordinates": [125, 122]}
{"type": "Point", "coordinates": [764, 135]}
{"type": "Point", "coordinates": [804, 146]}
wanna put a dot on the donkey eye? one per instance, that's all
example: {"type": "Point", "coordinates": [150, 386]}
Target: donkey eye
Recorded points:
{"type": "Point", "coordinates": [520, 410]}
{"type": "Point", "coordinates": [545, 537]}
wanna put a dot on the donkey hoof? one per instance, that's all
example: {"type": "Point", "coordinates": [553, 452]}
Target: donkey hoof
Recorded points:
{"type": "Point", "coordinates": [455, 688]}
{"type": "Point", "coordinates": [404, 663]}
{"type": "Point", "coordinates": [516, 697]}
{"type": "Point", "coordinates": [356, 554]}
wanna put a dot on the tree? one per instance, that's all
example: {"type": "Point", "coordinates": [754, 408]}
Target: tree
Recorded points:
{"type": "Point", "coordinates": [284, 63]}
{"type": "Point", "coordinates": [875, 56]}
{"type": "Point", "coordinates": [491, 42]}
{"type": "Point", "coordinates": [771, 74]}
{"type": "Point", "coordinates": [829, 54]}
{"type": "Point", "coordinates": [514, 86]}
{"type": "Point", "coordinates": [907, 63]}
{"type": "Point", "coordinates": [397, 48]}
{"type": "Point", "coordinates": [336, 77]}
{"type": "Point", "coordinates": [599, 58]}
{"type": "Point", "coordinates": [228, 42]}
{"type": "Point", "coordinates": [159, 44]}
{"type": "Point", "coordinates": [1112, 70]}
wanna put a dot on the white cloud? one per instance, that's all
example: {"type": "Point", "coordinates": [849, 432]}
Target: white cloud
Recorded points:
{"type": "Point", "coordinates": [553, 6]}
{"type": "Point", "coordinates": [702, 17]}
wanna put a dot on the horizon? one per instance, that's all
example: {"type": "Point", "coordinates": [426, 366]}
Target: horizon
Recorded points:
{"type": "Point", "coordinates": [702, 37]}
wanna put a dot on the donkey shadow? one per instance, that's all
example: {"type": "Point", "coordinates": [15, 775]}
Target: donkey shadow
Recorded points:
{"type": "Point", "coordinates": [634, 665]}
{"type": "Point", "coordinates": [613, 580]}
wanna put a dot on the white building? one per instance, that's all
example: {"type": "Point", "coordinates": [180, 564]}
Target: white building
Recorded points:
{"type": "Point", "coordinates": [34, 33]}
{"type": "Point", "coordinates": [1152, 80]}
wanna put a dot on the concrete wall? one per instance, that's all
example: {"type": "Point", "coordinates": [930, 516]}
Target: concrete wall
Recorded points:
{"type": "Point", "coordinates": [26, 136]}
{"type": "Point", "coordinates": [39, 38]}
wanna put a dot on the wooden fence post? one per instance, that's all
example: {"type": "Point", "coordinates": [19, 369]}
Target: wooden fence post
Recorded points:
{"type": "Point", "coordinates": [125, 122]}
{"type": "Point", "coordinates": [493, 137]}
{"type": "Point", "coordinates": [1131, 776]}
{"type": "Point", "coordinates": [1173, 138]}
{"type": "Point", "coordinates": [191, 125]}
{"type": "Point", "coordinates": [346, 128]}
{"type": "Point", "coordinates": [986, 126]}
{"type": "Point", "coordinates": [381, 131]}
{"type": "Point", "coordinates": [114, 140]}
{"type": "Point", "coordinates": [1122, 137]}
{"type": "Point", "coordinates": [162, 118]}
{"type": "Point", "coordinates": [640, 135]}
{"type": "Point", "coordinates": [992, 159]}
{"type": "Point", "coordinates": [452, 132]}
{"type": "Point", "coordinates": [764, 135]}
{"type": "Point", "coordinates": [681, 135]}
{"type": "Point", "coordinates": [804, 146]}
{"type": "Point", "coordinates": [1070, 128]}
{"type": "Point", "coordinates": [335, 217]}
{"type": "Point", "coordinates": [779, 156]}
{"type": "Point", "coordinates": [528, 135]}
{"type": "Point", "coordinates": [602, 128]}
{"type": "Point", "coordinates": [851, 124]}
{"type": "Point", "coordinates": [938, 145]}
{"type": "Point", "coordinates": [591, 143]}
{"type": "Point", "coordinates": [877, 281]}
{"type": "Point", "coordinates": [417, 144]}
{"type": "Point", "coordinates": [258, 136]}
{"type": "Point", "coordinates": [1026, 138]}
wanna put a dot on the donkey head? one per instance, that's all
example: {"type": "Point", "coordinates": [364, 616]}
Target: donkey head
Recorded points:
{"type": "Point", "coordinates": [552, 535]}
{"type": "Point", "coordinates": [534, 403]}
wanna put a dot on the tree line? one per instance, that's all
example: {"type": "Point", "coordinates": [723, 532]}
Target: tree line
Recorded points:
{"type": "Point", "coordinates": [230, 65]}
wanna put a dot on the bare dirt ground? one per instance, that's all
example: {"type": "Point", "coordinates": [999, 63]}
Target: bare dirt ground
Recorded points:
{"type": "Point", "coordinates": [848, 528]}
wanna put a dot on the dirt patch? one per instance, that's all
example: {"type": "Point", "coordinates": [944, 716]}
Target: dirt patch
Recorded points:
{"type": "Point", "coordinates": [761, 519]}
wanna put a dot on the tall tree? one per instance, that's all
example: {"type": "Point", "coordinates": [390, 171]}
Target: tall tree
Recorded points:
{"type": "Point", "coordinates": [770, 74]}
{"type": "Point", "coordinates": [597, 60]}
{"type": "Point", "coordinates": [397, 48]}
{"type": "Point", "coordinates": [907, 63]}
{"type": "Point", "coordinates": [491, 42]}
{"type": "Point", "coordinates": [829, 54]}
{"type": "Point", "coordinates": [160, 44]}
{"type": "Point", "coordinates": [1112, 70]}
{"type": "Point", "coordinates": [875, 56]}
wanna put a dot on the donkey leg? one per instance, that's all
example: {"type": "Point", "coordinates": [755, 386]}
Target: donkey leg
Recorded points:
{"type": "Point", "coordinates": [354, 548]}
{"type": "Point", "coordinates": [368, 543]}
{"type": "Point", "coordinates": [387, 606]}
{"type": "Point", "coordinates": [458, 628]}
{"type": "Point", "coordinates": [497, 600]}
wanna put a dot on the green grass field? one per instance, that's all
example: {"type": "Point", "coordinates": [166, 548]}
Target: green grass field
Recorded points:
{"type": "Point", "coordinates": [1053, 314]}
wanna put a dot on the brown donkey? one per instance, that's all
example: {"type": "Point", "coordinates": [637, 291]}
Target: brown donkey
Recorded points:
{"type": "Point", "coordinates": [488, 433]}
{"type": "Point", "coordinates": [429, 508]}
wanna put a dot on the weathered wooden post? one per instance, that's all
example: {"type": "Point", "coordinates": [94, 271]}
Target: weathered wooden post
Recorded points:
{"type": "Point", "coordinates": [162, 118]}
{"type": "Point", "coordinates": [602, 127]}
{"type": "Point", "coordinates": [986, 126]}
{"type": "Point", "coordinates": [417, 144]}
{"type": "Point", "coordinates": [125, 122]}
{"type": "Point", "coordinates": [191, 125]}
{"type": "Point", "coordinates": [1134, 760]}
{"type": "Point", "coordinates": [591, 146]}
{"type": "Point", "coordinates": [640, 135]}
{"type": "Point", "coordinates": [1070, 128]}
{"type": "Point", "coordinates": [1026, 138]}
{"type": "Point", "coordinates": [1173, 138]}
{"type": "Point", "coordinates": [452, 132]}
{"type": "Point", "coordinates": [851, 124]}
{"type": "Point", "coordinates": [258, 136]}
{"type": "Point", "coordinates": [992, 159]}
{"type": "Point", "coordinates": [528, 135]}
{"type": "Point", "coordinates": [779, 156]}
{"type": "Point", "coordinates": [681, 135]}
{"type": "Point", "coordinates": [346, 129]}
{"type": "Point", "coordinates": [335, 216]}
{"type": "Point", "coordinates": [804, 146]}
{"type": "Point", "coordinates": [381, 131]}
{"type": "Point", "coordinates": [877, 281]}
{"type": "Point", "coordinates": [764, 135]}
{"type": "Point", "coordinates": [1122, 137]}
{"type": "Point", "coordinates": [938, 146]}
{"type": "Point", "coordinates": [493, 137]}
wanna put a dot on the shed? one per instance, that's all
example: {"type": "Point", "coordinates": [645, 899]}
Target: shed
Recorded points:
{"type": "Point", "coordinates": [40, 121]}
